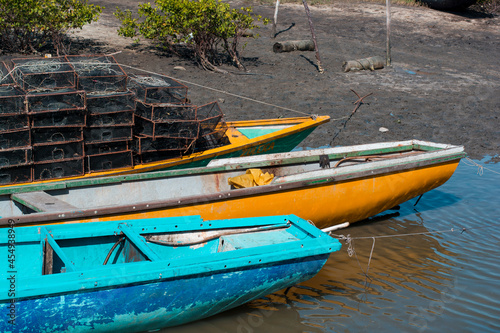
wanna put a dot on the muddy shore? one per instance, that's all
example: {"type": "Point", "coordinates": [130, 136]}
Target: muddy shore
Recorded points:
{"type": "Point", "coordinates": [443, 85]}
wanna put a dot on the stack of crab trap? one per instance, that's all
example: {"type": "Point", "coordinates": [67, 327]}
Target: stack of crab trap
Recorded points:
{"type": "Point", "coordinates": [110, 112]}
{"type": "Point", "coordinates": [15, 136]}
{"type": "Point", "coordinates": [67, 116]}
{"type": "Point", "coordinates": [166, 124]}
{"type": "Point", "coordinates": [57, 116]}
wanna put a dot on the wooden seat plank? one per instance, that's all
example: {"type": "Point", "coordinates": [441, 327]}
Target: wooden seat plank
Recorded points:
{"type": "Point", "coordinates": [41, 201]}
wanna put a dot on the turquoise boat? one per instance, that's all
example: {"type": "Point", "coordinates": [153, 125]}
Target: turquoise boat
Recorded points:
{"type": "Point", "coordinates": [142, 275]}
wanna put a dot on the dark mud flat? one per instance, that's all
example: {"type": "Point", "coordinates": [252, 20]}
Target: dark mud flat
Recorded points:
{"type": "Point", "coordinates": [443, 86]}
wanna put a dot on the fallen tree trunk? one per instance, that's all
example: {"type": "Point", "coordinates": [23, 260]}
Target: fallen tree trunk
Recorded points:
{"type": "Point", "coordinates": [371, 63]}
{"type": "Point", "coordinates": [289, 46]}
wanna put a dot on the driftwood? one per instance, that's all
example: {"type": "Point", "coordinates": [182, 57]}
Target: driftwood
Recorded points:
{"type": "Point", "coordinates": [297, 45]}
{"type": "Point", "coordinates": [371, 63]}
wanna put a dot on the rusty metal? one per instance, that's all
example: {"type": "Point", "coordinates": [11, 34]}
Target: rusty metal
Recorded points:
{"type": "Point", "coordinates": [15, 139]}
{"type": "Point", "coordinates": [58, 169]}
{"type": "Point", "coordinates": [6, 78]}
{"type": "Point", "coordinates": [56, 100]}
{"type": "Point", "coordinates": [109, 160]}
{"type": "Point", "coordinates": [58, 151]}
{"type": "Point", "coordinates": [107, 134]}
{"type": "Point", "coordinates": [11, 101]}
{"type": "Point", "coordinates": [38, 74]}
{"type": "Point", "coordinates": [56, 134]}
{"type": "Point", "coordinates": [110, 103]}
{"type": "Point", "coordinates": [98, 73]}
{"type": "Point", "coordinates": [15, 157]}
{"type": "Point", "coordinates": [182, 129]}
{"type": "Point", "coordinates": [158, 89]}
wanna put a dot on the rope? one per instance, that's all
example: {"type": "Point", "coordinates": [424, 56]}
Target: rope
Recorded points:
{"type": "Point", "coordinates": [351, 251]}
{"type": "Point", "coordinates": [228, 93]}
{"type": "Point", "coordinates": [480, 168]}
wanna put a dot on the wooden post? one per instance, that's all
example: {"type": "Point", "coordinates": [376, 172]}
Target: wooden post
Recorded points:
{"type": "Point", "coordinates": [388, 42]}
{"type": "Point", "coordinates": [275, 22]}
{"type": "Point", "coordinates": [320, 68]}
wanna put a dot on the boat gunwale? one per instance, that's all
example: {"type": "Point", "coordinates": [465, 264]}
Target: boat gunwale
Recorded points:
{"type": "Point", "coordinates": [376, 168]}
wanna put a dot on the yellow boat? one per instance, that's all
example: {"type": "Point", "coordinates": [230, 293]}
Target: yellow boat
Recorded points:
{"type": "Point", "coordinates": [327, 186]}
{"type": "Point", "coordinates": [249, 137]}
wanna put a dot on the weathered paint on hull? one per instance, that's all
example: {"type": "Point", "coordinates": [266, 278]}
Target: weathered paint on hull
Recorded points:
{"type": "Point", "coordinates": [325, 204]}
{"type": "Point", "coordinates": [136, 308]}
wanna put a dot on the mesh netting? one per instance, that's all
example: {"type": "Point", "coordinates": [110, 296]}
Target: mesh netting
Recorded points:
{"type": "Point", "coordinates": [17, 122]}
{"type": "Point", "coordinates": [61, 118]}
{"type": "Point", "coordinates": [15, 157]}
{"type": "Point", "coordinates": [56, 100]}
{"type": "Point", "coordinates": [98, 73]}
{"type": "Point", "coordinates": [104, 134]}
{"type": "Point", "coordinates": [209, 116]}
{"type": "Point", "coordinates": [143, 144]}
{"type": "Point", "coordinates": [107, 161]}
{"type": "Point", "coordinates": [56, 134]}
{"type": "Point", "coordinates": [212, 139]}
{"type": "Point", "coordinates": [111, 119]}
{"type": "Point", "coordinates": [11, 101]}
{"type": "Point", "coordinates": [15, 139]}
{"type": "Point", "coordinates": [106, 147]}
{"type": "Point", "coordinates": [158, 89]}
{"type": "Point", "coordinates": [15, 175]}
{"type": "Point", "coordinates": [57, 152]}
{"type": "Point", "coordinates": [5, 75]}
{"type": "Point", "coordinates": [43, 73]}
{"type": "Point", "coordinates": [181, 129]}
{"type": "Point", "coordinates": [113, 102]}
{"type": "Point", "coordinates": [165, 112]}
{"type": "Point", "coordinates": [62, 169]}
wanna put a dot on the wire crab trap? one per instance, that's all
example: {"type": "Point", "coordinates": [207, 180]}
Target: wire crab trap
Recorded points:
{"type": "Point", "coordinates": [106, 147]}
{"type": "Point", "coordinates": [165, 111]}
{"type": "Point", "coordinates": [144, 144]}
{"type": "Point", "coordinates": [209, 116]}
{"type": "Point", "coordinates": [56, 100]}
{"type": "Point", "coordinates": [158, 89]}
{"type": "Point", "coordinates": [15, 139]}
{"type": "Point", "coordinates": [56, 134]}
{"type": "Point", "coordinates": [154, 156]}
{"type": "Point", "coordinates": [34, 74]}
{"type": "Point", "coordinates": [6, 78]}
{"type": "Point", "coordinates": [15, 157]}
{"type": "Point", "coordinates": [56, 152]}
{"type": "Point", "coordinates": [12, 123]}
{"type": "Point", "coordinates": [58, 169]}
{"type": "Point", "coordinates": [11, 101]}
{"type": "Point", "coordinates": [16, 175]}
{"type": "Point", "coordinates": [59, 119]}
{"type": "Point", "coordinates": [110, 160]}
{"type": "Point", "coordinates": [176, 129]}
{"type": "Point", "coordinates": [108, 155]}
{"type": "Point", "coordinates": [98, 73]}
{"type": "Point", "coordinates": [106, 134]}
{"type": "Point", "coordinates": [112, 102]}
{"type": "Point", "coordinates": [120, 118]}
{"type": "Point", "coordinates": [210, 140]}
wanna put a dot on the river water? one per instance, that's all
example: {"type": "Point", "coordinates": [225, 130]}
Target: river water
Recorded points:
{"type": "Point", "coordinates": [423, 278]}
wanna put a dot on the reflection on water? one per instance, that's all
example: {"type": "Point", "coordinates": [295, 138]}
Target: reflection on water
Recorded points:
{"type": "Point", "coordinates": [425, 282]}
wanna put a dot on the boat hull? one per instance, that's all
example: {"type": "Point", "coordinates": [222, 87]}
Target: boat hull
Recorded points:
{"type": "Point", "coordinates": [168, 303]}
{"type": "Point", "coordinates": [327, 196]}
{"type": "Point", "coordinates": [327, 203]}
